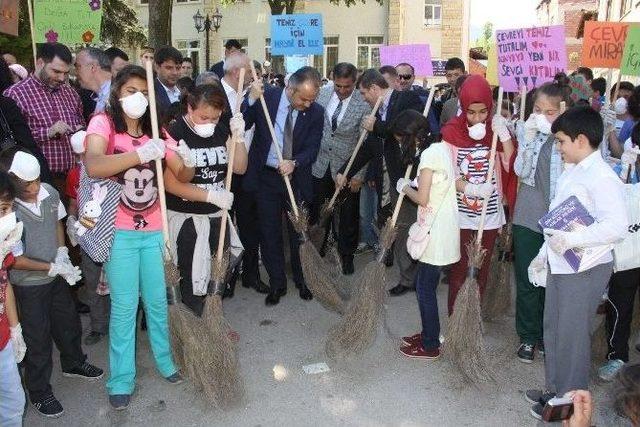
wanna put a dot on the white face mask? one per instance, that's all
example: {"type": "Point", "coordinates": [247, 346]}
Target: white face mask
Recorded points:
{"type": "Point", "coordinates": [205, 130]}
{"type": "Point", "coordinates": [478, 131]}
{"type": "Point", "coordinates": [134, 106]}
{"type": "Point", "coordinates": [7, 224]}
{"type": "Point", "coordinates": [543, 124]}
{"type": "Point", "coordinates": [620, 106]}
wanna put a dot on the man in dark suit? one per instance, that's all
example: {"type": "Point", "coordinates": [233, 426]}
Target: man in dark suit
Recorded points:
{"type": "Point", "coordinates": [298, 121]}
{"type": "Point", "coordinates": [373, 85]}
{"type": "Point", "coordinates": [230, 47]}
{"type": "Point", "coordinates": [168, 62]}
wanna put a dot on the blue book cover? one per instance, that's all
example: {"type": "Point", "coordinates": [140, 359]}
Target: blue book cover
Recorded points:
{"type": "Point", "coordinates": [569, 215]}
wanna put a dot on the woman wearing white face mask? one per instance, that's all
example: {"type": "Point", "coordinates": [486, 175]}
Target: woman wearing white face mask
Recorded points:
{"type": "Point", "coordinates": [469, 136]}
{"type": "Point", "coordinates": [119, 146]}
{"type": "Point", "coordinates": [538, 165]}
{"type": "Point", "coordinates": [194, 207]}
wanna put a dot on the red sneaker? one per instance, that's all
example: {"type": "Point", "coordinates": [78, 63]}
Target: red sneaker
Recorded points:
{"type": "Point", "coordinates": [418, 352]}
{"type": "Point", "coordinates": [412, 340]}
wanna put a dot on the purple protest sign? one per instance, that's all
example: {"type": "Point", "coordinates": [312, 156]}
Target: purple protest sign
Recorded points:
{"type": "Point", "coordinates": [530, 56]}
{"type": "Point", "coordinates": [418, 55]}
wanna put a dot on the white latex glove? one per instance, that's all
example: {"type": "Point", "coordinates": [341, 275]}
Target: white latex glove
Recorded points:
{"type": "Point", "coordinates": [56, 269]}
{"type": "Point", "coordinates": [152, 150]}
{"type": "Point", "coordinates": [221, 198]}
{"type": "Point", "coordinates": [257, 90]}
{"type": "Point", "coordinates": [10, 241]}
{"type": "Point", "coordinates": [185, 153]}
{"type": "Point", "coordinates": [484, 190]}
{"type": "Point", "coordinates": [236, 124]}
{"type": "Point", "coordinates": [17, 341]}
{"type": "Point", "coordinates": [71, 274]}
{"type": "Point", "coordinates": [62, 255]}
{"type": "Point", "coordinates": [530, 128]}
{"type": "Point", "coordinates": [402, 182]}
{"type": "Point", "coordinates": [630, 157]}
{"type": "Point", "coordinates": [499, 126]}
{"type": "Point", "coordinates": [608, 117]}
{"type": "Point", "coordinates": [71, 230]}
{"type": "Point", "coordinates": [537, 270]}
{"type": "Point", "coordinates": [58, 128]}
{"type": "Point", "coordinates": [561, 241]}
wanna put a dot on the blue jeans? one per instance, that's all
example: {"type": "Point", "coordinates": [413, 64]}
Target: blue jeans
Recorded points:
{"type": "Point", "coordinates": [368, 214]}
{"type": "Point", "coordinates": [427, 278]}
{"type": "Point", "coordinates": [11, 393]}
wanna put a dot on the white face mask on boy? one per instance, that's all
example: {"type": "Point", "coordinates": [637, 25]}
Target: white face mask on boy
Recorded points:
{"type": "Point", "coordinates": [134, 106]}
{"type": "Point", "coordinates": [478, 131]}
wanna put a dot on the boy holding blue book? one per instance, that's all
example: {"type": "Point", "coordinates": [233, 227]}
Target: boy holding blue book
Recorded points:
{"type": "Point", "coordinates": [572, 297]}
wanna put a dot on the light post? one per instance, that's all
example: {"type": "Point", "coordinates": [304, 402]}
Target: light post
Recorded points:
{"type": "Point", "coordinates": [205, 24]}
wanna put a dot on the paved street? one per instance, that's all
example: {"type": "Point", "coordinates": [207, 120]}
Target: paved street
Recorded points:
{"type": "Point", "coordinates": [382, 389]}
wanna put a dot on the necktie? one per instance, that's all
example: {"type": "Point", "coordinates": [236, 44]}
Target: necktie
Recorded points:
{"type": "Point", "coordinates": [287, 145]}
{"type": "Point", "coordinates": [334, 117]}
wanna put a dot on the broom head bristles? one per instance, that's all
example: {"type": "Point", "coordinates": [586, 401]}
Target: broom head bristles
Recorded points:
{"type": "Point", "coordinates": [464, 344]}
{"type": "Point", "coordinates": [219, 269]}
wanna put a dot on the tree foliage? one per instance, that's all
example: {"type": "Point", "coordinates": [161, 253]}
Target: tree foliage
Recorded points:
{"type": "Point", "coordinates": [288, 6]}
{"type": "Point", "coordinates": [120, 25]}
{"type": "Point", "coordinates": [160, 22]}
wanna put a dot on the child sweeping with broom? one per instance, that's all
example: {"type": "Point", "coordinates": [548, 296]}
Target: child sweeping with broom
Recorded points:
{"type": "Point", "coordinates": [194, 207]}
{"type": "Point", "coordinates": [469, 137]}
{"type": "Point", "coordinates": [437, 216]}
{"type": "Point", "coordinates": [538, 165]}
{"type": "Point", "coordinates": [120, 147]}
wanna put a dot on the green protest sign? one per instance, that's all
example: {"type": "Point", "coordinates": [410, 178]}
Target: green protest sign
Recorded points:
{"type": "Point", "coordinates": [67, 21]}
{"type": "Point", "coordinates": [630, 65]}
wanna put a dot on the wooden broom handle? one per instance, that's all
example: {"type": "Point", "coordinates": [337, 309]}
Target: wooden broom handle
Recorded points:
{"type": "Point", "coordinates": [617, 88]}
{"type": "Point", "coordinates": [363, 135]}
{"type": "Point", "coordinates": [523, 101]}
{"type": "Point", "coordinates": [396, 209]}
{"type": "Point", "coordinates": [33, 32]}
{"type": "Point", "coordinates": [155, 133]}
{"type": "Point", "coordinates": [227, 181]}
{"type": "Point", "coordinates": [492, 162]}
{"type": "Point", "coordinates": [267, 116]}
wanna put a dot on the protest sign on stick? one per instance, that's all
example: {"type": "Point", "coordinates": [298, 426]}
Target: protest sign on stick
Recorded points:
{"type": "Point", "coordinates": [299, 34]}
{"type": "Point", "coordinates": [603, 43]}
{"type": "Point", "coordinates": [418, 55]}
{"type": "Point", "coordinates": [9, 17]}
{"type": "Point", "coordinates": [630, 64]}
{"type": "Point", "coordinates": [530, 56]}
{"type": "Point", "coordinates": [70, 21]}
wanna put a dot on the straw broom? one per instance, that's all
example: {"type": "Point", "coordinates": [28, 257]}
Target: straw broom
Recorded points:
{"type": "Point", "coordinates": [356, 331]}
{"type": "Point", "coordinates": [322, 285]}
{"type": "Point", "coordinates": [178, 323]}
{"type": "Point", "coordinates": [464, 342]}
{"type": "Point", "coordinates": [317, 232]}
{"type": "Point", "coordinates": [497, 298]}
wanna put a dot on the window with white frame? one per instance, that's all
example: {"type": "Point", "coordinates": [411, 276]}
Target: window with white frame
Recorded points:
{"type": "Point", "coordinates": [277, 62]}
{"type": "Point", "coordinates": [369, 51]}
{"type": "Point", "coordinates": [432, 13]}
{"type": "Point", "coordinates": [324, 63]}
{"type": "Point", "coordinates": [190, 49]}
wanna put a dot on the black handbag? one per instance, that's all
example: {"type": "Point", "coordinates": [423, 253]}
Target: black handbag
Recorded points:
{"type": "Point", "coordinates": [7, 140]}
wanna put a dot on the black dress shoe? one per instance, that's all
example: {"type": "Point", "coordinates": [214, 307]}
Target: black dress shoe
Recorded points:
{"type": "Point", "coordinates": [347, 264]}
{"type": "Point", "coordinates": [399, 290]}
{"type": "Point", "coordinates": [274, 297]}
{"type": "Point", "coordinates": [305, 293]}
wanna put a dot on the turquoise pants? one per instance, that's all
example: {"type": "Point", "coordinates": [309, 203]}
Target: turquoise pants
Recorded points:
{"type": "Point", "coordinates": [135, 270]}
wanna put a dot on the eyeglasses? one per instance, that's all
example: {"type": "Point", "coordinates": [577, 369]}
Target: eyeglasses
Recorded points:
{"type": "Point", "coordinates": [405, 76]}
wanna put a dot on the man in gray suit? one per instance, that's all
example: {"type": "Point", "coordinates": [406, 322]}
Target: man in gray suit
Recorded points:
{"type": "Point", "coordinates": [344, 110]}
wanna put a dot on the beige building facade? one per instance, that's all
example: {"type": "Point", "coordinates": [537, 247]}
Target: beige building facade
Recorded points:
{"type": "Point", "coordinates": [351, 34]}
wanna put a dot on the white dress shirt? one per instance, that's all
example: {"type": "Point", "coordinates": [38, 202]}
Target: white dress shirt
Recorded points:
{"type": "Point", "coordinates": [232, 96]}
{"type": "Point", "coordinates": [385, 105]}
{"type": "Point", "coordinates": [601, 192]}
{"type": "Point", "coordinates": [173, 94]}
{"type": "Point", "coordinates": [333, 104]}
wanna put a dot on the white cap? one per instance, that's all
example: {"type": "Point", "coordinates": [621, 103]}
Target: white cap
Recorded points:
{"type": "Point", "coordinates": [25, 166]}
{"type": "Point", "coordinates": [77, 141]}
{"type": "Point", "coordinates": [19, 70]}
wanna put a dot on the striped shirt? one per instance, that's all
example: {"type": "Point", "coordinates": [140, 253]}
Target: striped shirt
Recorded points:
{"type": "Point", "coordinates": [473, 164]}
{"type": "Point", "coordinates": [43, 106]}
